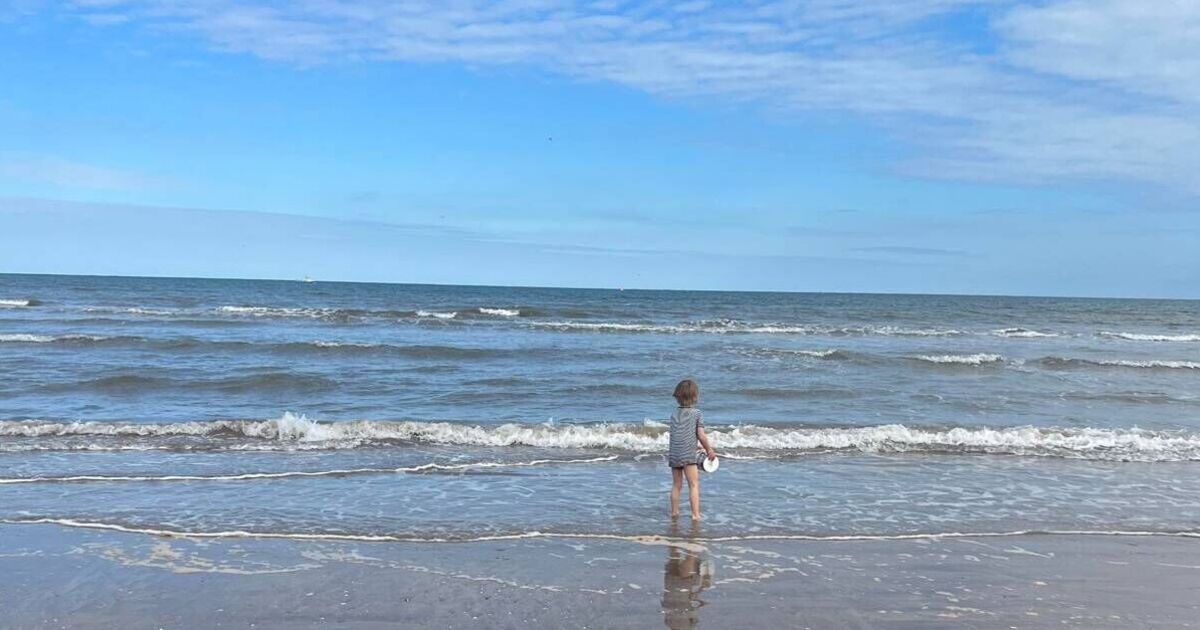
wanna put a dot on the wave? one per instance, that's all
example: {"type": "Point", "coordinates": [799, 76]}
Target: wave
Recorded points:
{"type": "Point", "coordinates": [819, 354]}
{"type": "Point", "coordinates": [1076, 443]}
{"type": "Point", "coordinates": [413, 351]}
{"type": "Point", "coordinates": [1129, 397]}
{"type": "Point", "coordinates": [738, 327]}
{"type": "Point", "coordinates": [15, 303]}
{"type": "Point", "coordinates": [830, 354]}
{"type": "Point", "coordinates": [1021, 333]}
{"type": "Point", "coordinates": [344, 472]}
{"type": "Point", "coordinates": [1149, 337]}
{"type": "Point", "coordinates": [1060, 362]}
{"type": "Point", "coordinates": [316, 346]}
{"type": "Point", "coordinates": [502, 312]}
{"type": "Point", "coordinates": [641, 539]}
{"type": "Point", "coordinates": [276, 311]}
{"type": "Point", "coordinates": [438, 314]}
{"type": "Point", "coordinates": [961, 359]}
{"type": "Point", "coordinates": [28, 338]}
{"type": "Point", "coordinates": [322, 313]}
{"type": "Point", "coordinates": [131, 310]}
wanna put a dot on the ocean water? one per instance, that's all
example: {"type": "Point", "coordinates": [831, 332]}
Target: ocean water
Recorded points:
{"type": "Point", "coordinates": [435, 412]}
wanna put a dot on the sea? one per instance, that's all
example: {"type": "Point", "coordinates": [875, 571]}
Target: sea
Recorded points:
{"type": "Point", "coordinates": [319, 409]}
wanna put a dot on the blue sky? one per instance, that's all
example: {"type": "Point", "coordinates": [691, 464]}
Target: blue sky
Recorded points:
{"type": "Point", "coordinates": [964, 146]}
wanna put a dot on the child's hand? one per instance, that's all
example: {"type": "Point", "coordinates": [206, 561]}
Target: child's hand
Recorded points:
{"type": "Point", "coordinates": [711, 454]}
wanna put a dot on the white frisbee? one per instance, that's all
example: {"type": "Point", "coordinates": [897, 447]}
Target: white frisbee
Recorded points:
{"type": "Point", "coordinates": [711, 465]}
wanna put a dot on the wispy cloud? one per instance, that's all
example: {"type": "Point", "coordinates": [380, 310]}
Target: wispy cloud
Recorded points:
{"type": "Point", "coordinates": [57, 171]}
{"type": "Point", "coordinates": [1063, 89]}
{"type": "Point", "coordinates": [902, 250]}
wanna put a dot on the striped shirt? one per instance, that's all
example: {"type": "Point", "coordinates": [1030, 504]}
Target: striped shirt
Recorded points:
{"type": "Point", "coordinates": [685, 423]}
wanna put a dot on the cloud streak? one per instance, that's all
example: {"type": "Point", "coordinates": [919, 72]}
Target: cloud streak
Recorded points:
{"type": "Point", "coordinates": [1059, 90]}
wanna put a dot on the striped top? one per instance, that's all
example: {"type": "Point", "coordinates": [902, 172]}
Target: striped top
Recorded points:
{"type": "Point", "coordinates": [685, 422]}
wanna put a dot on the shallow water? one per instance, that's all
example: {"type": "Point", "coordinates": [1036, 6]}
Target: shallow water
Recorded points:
{"type": "Point", "coordinates": [459, 412]}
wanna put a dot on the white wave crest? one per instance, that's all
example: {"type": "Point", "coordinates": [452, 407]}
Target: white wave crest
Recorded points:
{"type": "Point", "coordinates": [10, 303]}
{"type": "Point", "coordinates": [274, 311]}
{"type": "Point", "coordinates": [129, 310]}
{"type": "Point", "coordinates": [1086, 443]}
{"type": "Point", "coordinates": [27, 338]}
{"type": "Point", "coordinates": [344, 344]}
{"type": "Point", "coordinates": [721, 327]}
{"type": "Point", "coordinates": [501, 312]}
{"type": "Point", "coordinates": [1176, 365]}
{"type": "Point", "coordinates": [961, 359]}
{"type": "Point", "coordinates": [1021, 333]}
{"type": "Point", "coordinates": [24, 338]}
{"type": "Point", "coordinates": [437, 314]}
{"type": "Point", "coordinates": [819, 354]}
{"type": "Point", "coordinates": [1149, 337]}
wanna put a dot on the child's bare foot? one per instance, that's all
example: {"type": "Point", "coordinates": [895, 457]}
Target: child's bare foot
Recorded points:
{"type": "Point", "coordinates": [674, 515]}
{"type": "Point", "coordinates": [695, 517]}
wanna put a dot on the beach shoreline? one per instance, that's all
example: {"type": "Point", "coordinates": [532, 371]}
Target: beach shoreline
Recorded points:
{"type": "Point", "coordinates": [60, 577]}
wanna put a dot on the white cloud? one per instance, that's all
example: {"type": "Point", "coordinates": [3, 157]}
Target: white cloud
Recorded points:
{"type": "Point", "coordinates": [1133, 45]}
{"type": "Point", "coordinates": [1092, 89]}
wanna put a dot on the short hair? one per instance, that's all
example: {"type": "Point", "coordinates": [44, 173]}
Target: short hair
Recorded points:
{"type": "Point", "coordinates": [686, 392]}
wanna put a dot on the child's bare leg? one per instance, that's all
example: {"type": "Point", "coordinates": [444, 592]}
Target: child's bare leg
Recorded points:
{"type": "Point", "coordinates": [676, 482]}
{"type": "Point", "coordinates": [693, 478]}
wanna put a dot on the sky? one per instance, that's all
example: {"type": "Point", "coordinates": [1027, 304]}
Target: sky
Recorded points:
{"type": "Point", "coordinates": [921, 146]}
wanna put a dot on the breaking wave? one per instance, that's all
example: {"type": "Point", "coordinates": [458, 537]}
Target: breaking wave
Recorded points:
{"type": "Point", "coordinates": [14, 303]}
{"type": "Point", "coordinates": [131, 310]}
{"type": "Point", "coordinates": [961, 359]}
{"type": "Point", "coordinates": [1075, 443]}
{"type": "Point", "coordinates": [319, 346]}
{"type": "Point", "coordinates": [1021, 333]}
{"type": "Point", "coordinates": [438, 314]}
{"type": "Point", "coordinates": [28, 338]}
{"type": "Point", "coordinates": [739, 327]}
{"type": "Point", "coordinates": [1060, 362]}
{"type": "Point", "coordinates": [1149, 337]}
{"type": "Point", "coordinates": [502, 312]}
{"type": "Point", "coordinates": [777, 353]}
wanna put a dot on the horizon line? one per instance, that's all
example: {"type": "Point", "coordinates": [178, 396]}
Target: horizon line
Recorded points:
{"type": "Point", "coordinates": [308, 279]}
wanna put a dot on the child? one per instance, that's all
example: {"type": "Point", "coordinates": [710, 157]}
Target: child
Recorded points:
{"type": "Point", "coordinates": [686, 429]}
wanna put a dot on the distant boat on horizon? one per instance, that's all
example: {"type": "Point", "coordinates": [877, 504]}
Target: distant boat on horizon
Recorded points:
{"type": "Point", "coordinates": [308, 279]}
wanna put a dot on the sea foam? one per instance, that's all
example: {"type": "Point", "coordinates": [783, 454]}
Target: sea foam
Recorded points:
{"type": "Point", "coordinates": [1078, 443]}
{"type": "Point", "coordinates": [722, 327]}
{"type": "Point", "coordinates": [1061, 362]}
{"type": "Point", "coordinates": [961, 359]}
{"type": "Point", "coordinates": [1022, 333]}
{"type": "Point", "coordinates": [501, 312]}
{"type": "Point", "coordinates": [28, 338]}
{"type": "Point", "coordinates": [437, 314]}
{"type": "Point", "coordinates": [1150, 337]}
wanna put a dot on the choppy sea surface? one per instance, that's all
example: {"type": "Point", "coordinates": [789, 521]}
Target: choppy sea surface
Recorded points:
{"type": "Point", "coordinates": [437, 412]}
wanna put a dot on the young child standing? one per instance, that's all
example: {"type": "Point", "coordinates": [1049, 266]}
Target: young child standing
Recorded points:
{"type": "Point", "coordinates": [686, 430]}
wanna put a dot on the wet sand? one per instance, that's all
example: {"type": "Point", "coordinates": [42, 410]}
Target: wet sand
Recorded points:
{"type": "Point", "coordinates": [57, 577]}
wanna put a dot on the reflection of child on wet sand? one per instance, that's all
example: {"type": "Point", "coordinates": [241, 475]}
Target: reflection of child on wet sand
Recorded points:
{"type": "Point", "coordinates": [684, 578]}
{"type": "Point", "coordinates": [686, 429]}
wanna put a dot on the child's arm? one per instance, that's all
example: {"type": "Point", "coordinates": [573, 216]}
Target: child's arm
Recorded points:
{"type": "Point", "coordinates": [708, 449]}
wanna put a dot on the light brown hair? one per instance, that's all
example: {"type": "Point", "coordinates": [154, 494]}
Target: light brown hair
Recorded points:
{"type": "Point", "coordinates": [687, 392]}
